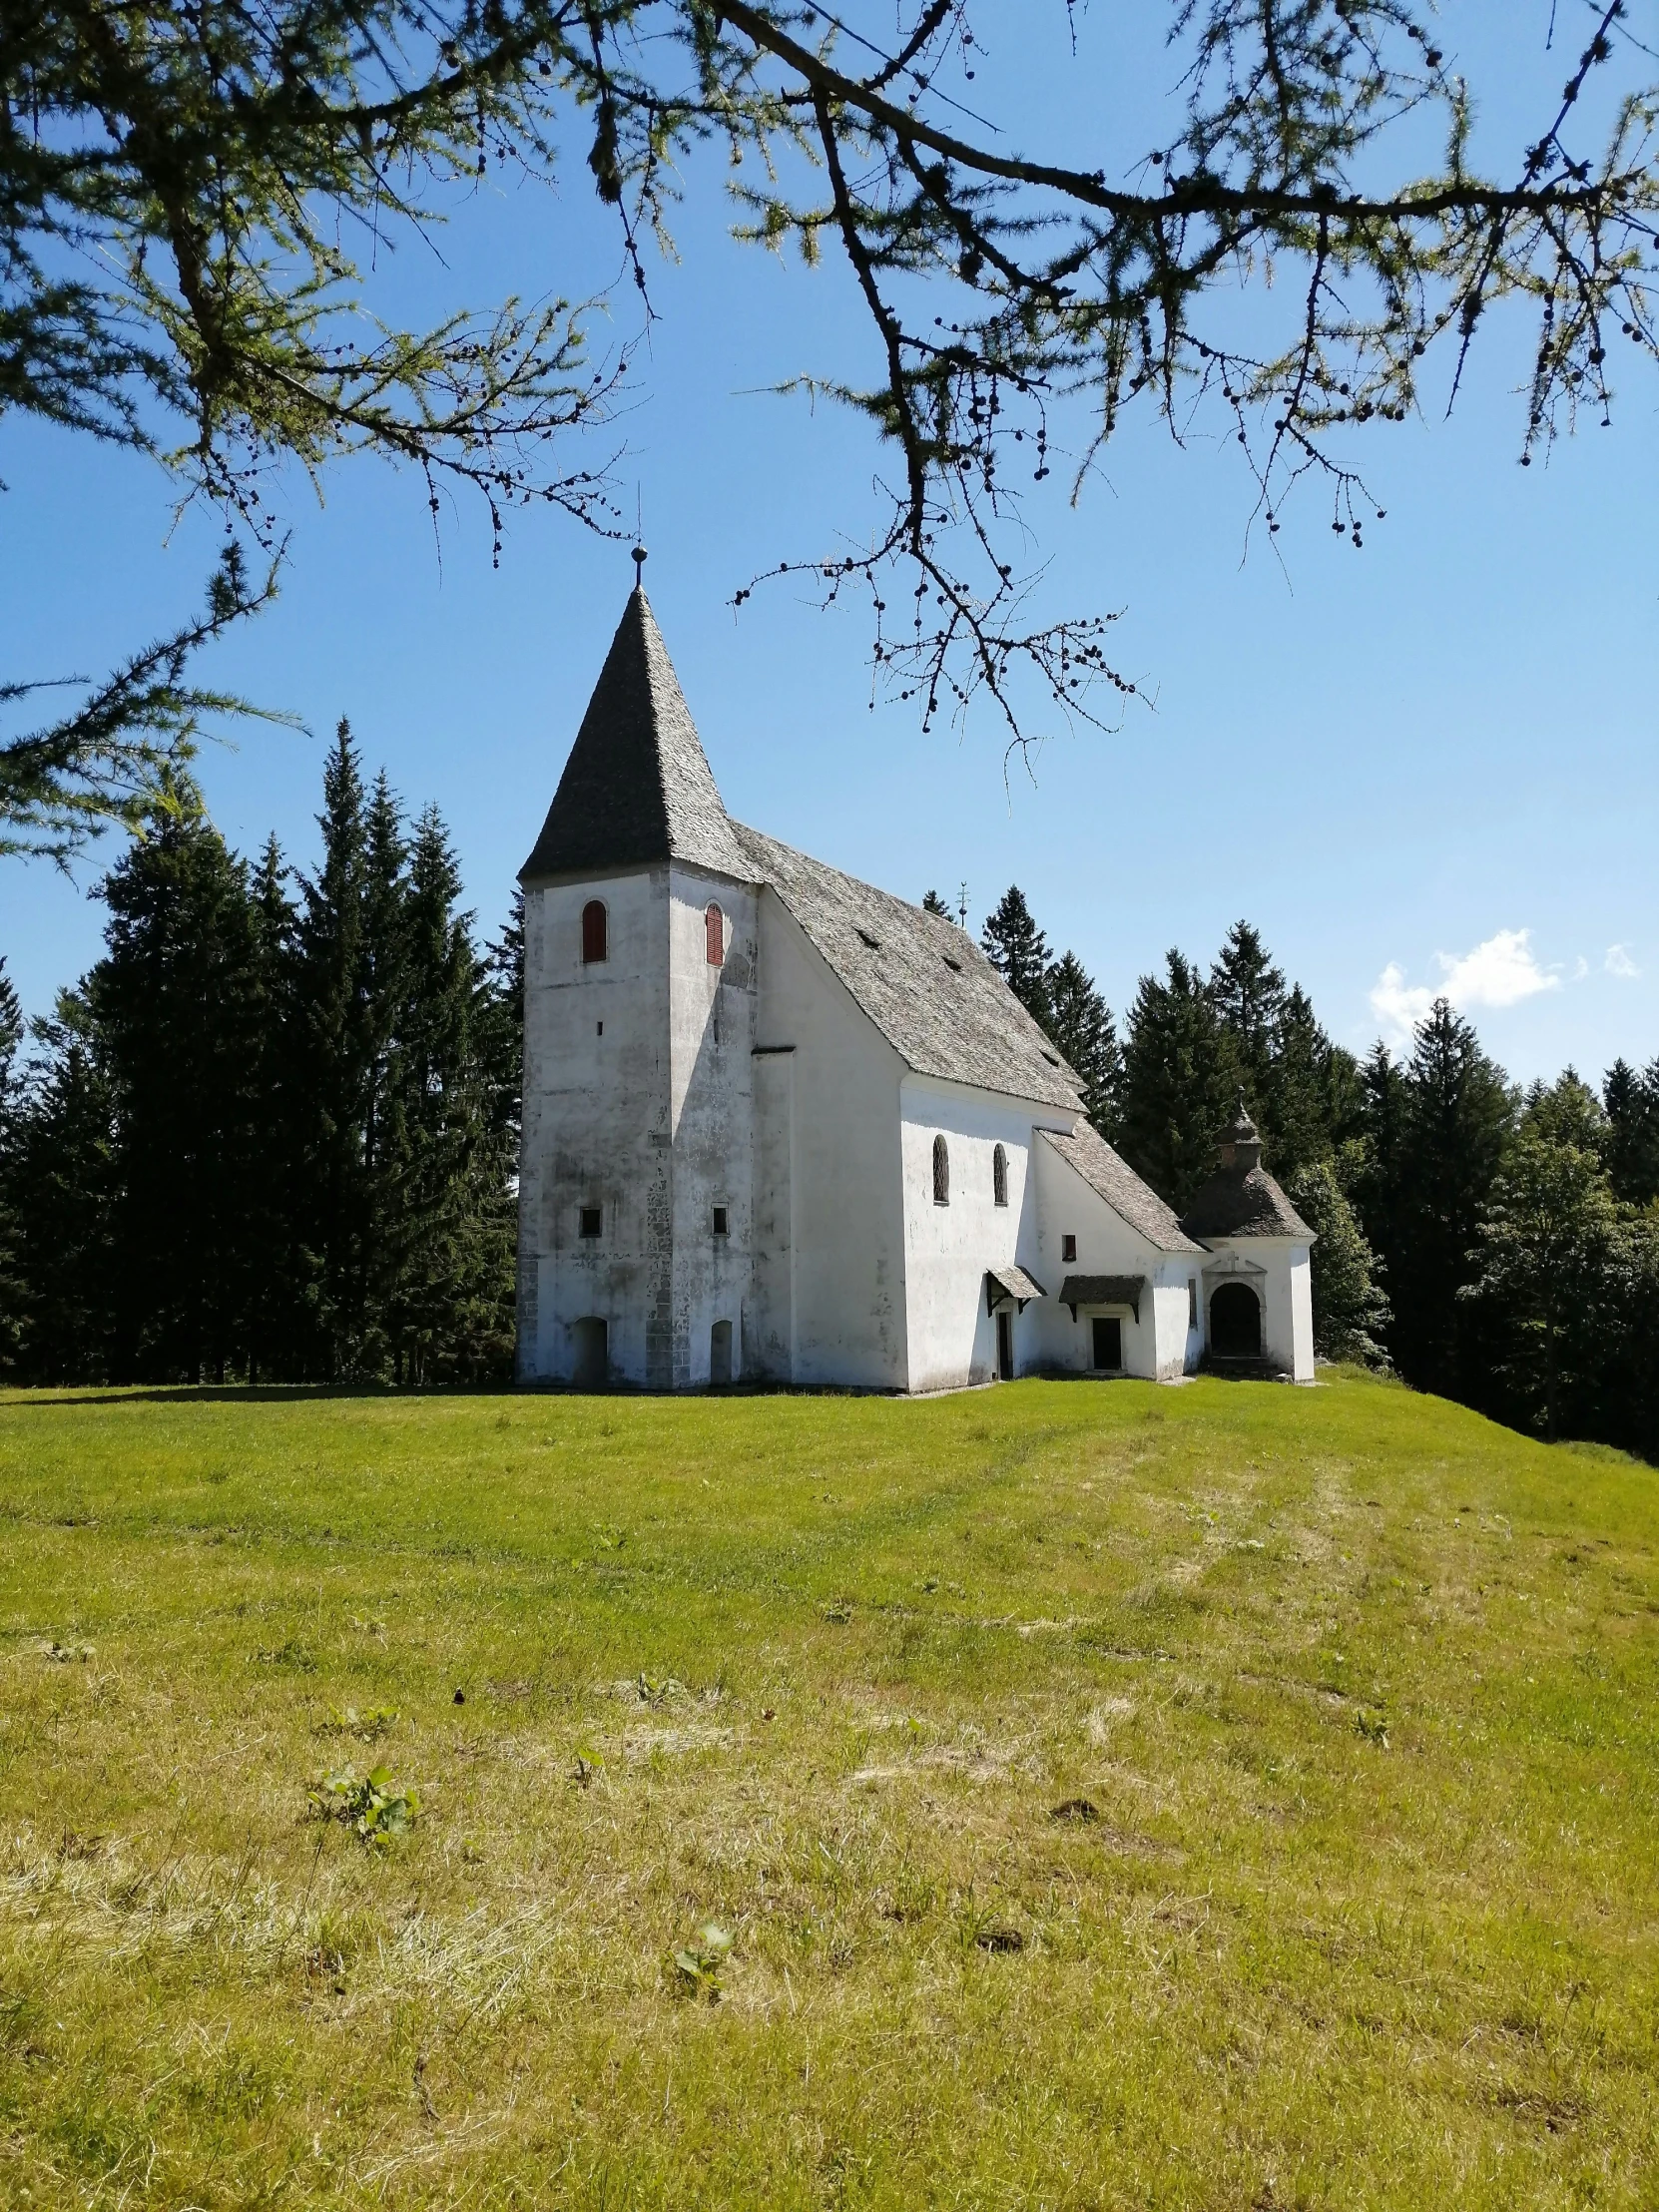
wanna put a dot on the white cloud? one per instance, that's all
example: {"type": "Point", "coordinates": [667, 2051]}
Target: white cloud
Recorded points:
{"type": "Point", "coordinates": [1500, 972]}
{"type": "Point", "coordinates": [1618, 962]}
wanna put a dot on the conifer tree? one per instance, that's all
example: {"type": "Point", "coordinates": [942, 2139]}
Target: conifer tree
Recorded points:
{"type": "Point", "coordinates": [1631, 1104]}
{"type": "Point", "coordinates": [335, 1060]}
{"type": "Point", "coordinates": [1248, 993]}
{"type": "Point", "coordinates": [1018, 951]}
{"type": "Point", "coordinates": [65, 1186]}
{"type": "Point", "coordinates": [1081, 1026]}
{"type": "Point", "coordinates": [1458, 1120]}
{"type": "Point", "coordinates": [175, 1004]}
{"type": "Point", "coordinates": [1179, 1081]}
{"type": "Point", "coordinates": [932, 903]}
{"type": "Point", "coordinates": [12, 1282]}
{"type": "Point", "coordinates": [278, 1335]}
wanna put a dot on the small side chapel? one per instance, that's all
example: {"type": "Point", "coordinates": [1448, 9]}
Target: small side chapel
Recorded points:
{"type": "Point", "coordinates": [781, 1126]}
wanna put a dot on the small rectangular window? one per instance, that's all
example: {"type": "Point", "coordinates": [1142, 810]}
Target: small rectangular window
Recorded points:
{"type": "Point", "coordinates": [720, 1221]}
{"type": "Point", "coordinates": [591, 1221]}
{"type": "Point", "coordinates": [1192, 1301]}
{"type": "Point", "coordinates": [1069, 1248]}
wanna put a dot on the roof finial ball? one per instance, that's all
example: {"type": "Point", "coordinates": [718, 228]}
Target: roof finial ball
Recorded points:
{"type": "Point", "coordinates": [641, 556]}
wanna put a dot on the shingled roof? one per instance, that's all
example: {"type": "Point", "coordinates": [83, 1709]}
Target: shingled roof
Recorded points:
{"type": "Point", "coordinates": [923, 982]}
{"type": "Point", "coordinates": [1243, 1201]}
{"type": "Point", "coordinates": [637, 786]}
{"type": "Point", "coordinates": [1116, 1182]}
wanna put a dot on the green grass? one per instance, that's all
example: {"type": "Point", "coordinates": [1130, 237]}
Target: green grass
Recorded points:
{"type": "Point", "coordinates": [1362, 1689]}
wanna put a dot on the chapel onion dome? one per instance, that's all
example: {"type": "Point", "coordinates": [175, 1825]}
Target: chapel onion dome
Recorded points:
{"type": "Point", "coordinates": [1241, 1199]}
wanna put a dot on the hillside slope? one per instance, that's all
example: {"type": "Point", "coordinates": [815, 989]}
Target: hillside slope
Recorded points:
{"type": "Point", "coordinates": [1349, 1694]}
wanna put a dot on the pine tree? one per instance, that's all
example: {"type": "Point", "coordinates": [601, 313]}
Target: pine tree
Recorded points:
{"type": "Point", "coordinates": [13, 1290]}
{"type": "Point", "coordinates": [1081, 1026]}
{"type": "Point", "coordinates": [1179, 1081]}
{"type": "Point", "coordinates": [65, 1137]}
{"type": "Point", "coordinates": [1457, 1127]}
{"type": "Point", "coordinates": [932, 903]}
{"type": "Point", "coordinates": [1018, 951]}
{"type": "Point", "coordinates": [1248, 993]}
{"type": "Point", "coordinates": [278, 1338]}
{"type": "Point", "coordinates": [336, 1051]}
{"type": "Point", "coordinates": [173, 1003]}
{"type": "Point", "coordinates": [1631, 1104]}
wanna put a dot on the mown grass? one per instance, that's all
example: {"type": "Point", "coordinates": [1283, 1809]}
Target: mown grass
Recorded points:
{"type": "Point", "coordinates": [1360, 1689]}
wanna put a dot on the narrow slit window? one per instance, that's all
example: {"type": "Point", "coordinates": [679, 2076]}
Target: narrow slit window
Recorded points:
{"type": "Point", "coordinates": [593, 931]}
{"type": "Point", "coordinates": [942, 1171]}
{"type": "Point", "coordinates": [1192, 1303]}
{"type": "Point", "coordinates": [593, 1221]}
{"type": "Point", "coordinates": [1000, 1177]}
{"type": "Point", "coordinates": [713, 934]}
{"type": "Point", "coordinates": [1069, 1248]}
{"type": "Point", "coordinates": [720, 1221]}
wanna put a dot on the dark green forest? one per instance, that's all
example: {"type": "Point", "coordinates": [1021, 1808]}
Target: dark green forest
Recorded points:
{"type": "Point", "coordinates": [271, 1137]}
{"type": "Point", "coordinates": [1498, 1245]}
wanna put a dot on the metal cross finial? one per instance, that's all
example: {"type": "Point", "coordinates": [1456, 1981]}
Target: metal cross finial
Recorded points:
{"type": "Point", "coordinates": [640, 558]}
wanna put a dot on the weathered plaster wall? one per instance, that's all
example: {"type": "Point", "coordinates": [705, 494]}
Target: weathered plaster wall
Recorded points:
{"type": "Point", "coordinates": [828, 1283]}
{"type": "Point", "coordinates": [711, 1107]}
{"type": "Point", "coordinates": [597, 1129]}
{"type": "Point", "coordinates": [952, 1337]}
{"type": "Point", "coordinates": [1158, 1344]}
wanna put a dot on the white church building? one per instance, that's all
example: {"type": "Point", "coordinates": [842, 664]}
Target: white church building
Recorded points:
{"type": "Point", "coordinates": [782, 1127]}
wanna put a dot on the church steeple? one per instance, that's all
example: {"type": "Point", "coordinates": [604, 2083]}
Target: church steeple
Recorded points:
{"type": "Point", "coordinates": [637, 787]}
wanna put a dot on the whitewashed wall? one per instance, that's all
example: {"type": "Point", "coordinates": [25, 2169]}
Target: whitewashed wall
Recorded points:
{"type": "Point", "coordinates": [596, 1127]}
{"type": "Point", "coordinates": [952, 1336]}
{"type": "Point", "coordinates": [1285, 1289]}
{"type": "Point", "coordinates": [712, 1110]}
{"type": "Point", "coordinates": [1159, 1343]}
{"type": "Point", "coordinates": [829, 1274]}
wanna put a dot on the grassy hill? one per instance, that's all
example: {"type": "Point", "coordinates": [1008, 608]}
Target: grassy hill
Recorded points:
{"type": "Point", "coordinates": [1349, 1698]}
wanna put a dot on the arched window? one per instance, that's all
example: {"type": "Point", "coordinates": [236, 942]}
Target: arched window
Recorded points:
{"type": "Point", "coordinates": [1000, 1175]}
{"type": "Point", "coordinates": [942, 1171]}
{"type": "Point", "coordinates": [593, 931]}
{"type": "Point", "coordinates": [713, 934]}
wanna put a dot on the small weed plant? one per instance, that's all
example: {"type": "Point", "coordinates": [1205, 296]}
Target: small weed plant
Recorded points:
{"type": "Point", "coordinates": [375, 1809]}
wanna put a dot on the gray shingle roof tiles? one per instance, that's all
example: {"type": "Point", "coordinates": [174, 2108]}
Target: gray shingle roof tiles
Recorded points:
{"type": "Point", "coordinates": [637, 787]}
{"type": "Point", "coordinates": [1122, 1189]}
{"type": "Point", "coordinates": [924, 982]}
{"type": "Point", "coordinates": [1243, 1202]}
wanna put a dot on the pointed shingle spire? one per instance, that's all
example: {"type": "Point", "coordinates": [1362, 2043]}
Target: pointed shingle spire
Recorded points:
{"type": "Point", "coordinates": [637, 786]}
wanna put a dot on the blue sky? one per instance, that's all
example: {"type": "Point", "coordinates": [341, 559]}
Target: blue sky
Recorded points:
{"type": "Point", "coordinates": [1427, 765]}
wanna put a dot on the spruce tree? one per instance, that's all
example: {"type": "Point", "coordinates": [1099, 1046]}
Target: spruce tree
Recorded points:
{"type": "Point", "coordinates": [1018, 951]}
{"type": "Point", "coordinates": [65, 1141]}
{"type": "Point", "coordinates": [279, 1339]}
{"type": "Point", "coordinates": [1631, 1104]}
{"type": "Point", "coordinates": [1457, 1125]}
{"type": "Point", "coordinates": [173, 1003]}
{"type": "Point", "coordinates": [13, 1290]}
{"type": "Point", "coordinates": [1081, 1026]}
{"type": "Point", "coordinates": [932, 903]}
{"type": "Point", "coordinates": [335, 1056]}
{"type": "Point", "coordinates": [1248, 993]}
{"type": "Point", "coordinates": [1179, 1081]}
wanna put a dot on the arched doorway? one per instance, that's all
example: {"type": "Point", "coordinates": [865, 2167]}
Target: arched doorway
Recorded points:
{"type": "Point", "coordinates": [720, 1353]}
{"type": "Point", "coordinates": [1235, 1323]}
{"type": "Point", "coordinates": [592, 1365]}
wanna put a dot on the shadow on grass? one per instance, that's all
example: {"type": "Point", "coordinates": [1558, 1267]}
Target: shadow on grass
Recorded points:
{"type": "Point", "coordinates": [244, 1394]}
